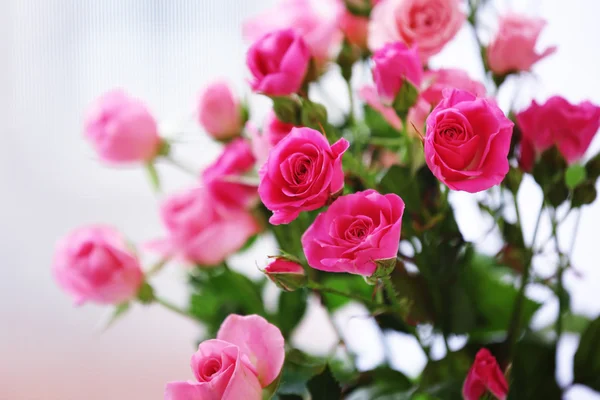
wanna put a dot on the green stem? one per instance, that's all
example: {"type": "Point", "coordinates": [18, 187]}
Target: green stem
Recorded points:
{"type": "Point", "coordinates": [559, 276]}
{"type": "Point", "coordinates": [324, 289]}
{"type": "Point", "coordinates": [156, 268]}
{"type": "Point", "coordinates": [351, 97]}
{"type": "Point", "coordinates": [516, 204]}
{"type": "Point", "coordinates": [180, 165]}
{"type": "Point", "coordinates": [176, 309]}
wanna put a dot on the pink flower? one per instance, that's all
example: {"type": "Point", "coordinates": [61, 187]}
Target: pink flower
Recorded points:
{"type": "Point", "coordinates": [246, 356]}
{"type": "Point", "coordinates": [287, 274]}
{"type": "Point", "coordinates": [569, 127]}
{"type": "Point", "coordinates": [513, 48]}
{"type": "Point", "coordinates": [355, 231]}
{"type": "Point", "coordinates": [224, 178]}
{"type": "Point", "coordinates": [219, 112]}
{"type": "Point", "coordinates": [467, 142]}
{"type": "Point", "coordinates": [485, 375]}
{"type": "Point", "coordinates": [314, 20]}
{"type": "Point", "coordinates": [122, 129]}
{"type": "Point", "coordinates": [393, 64]}
{"type": "Point", "coordinates": [427, 24]}
{"type": "Point", "coordinates": [278, 62]}
{"type": "Point", "coordinates": [355, 28]}
{"type": "Point", "coordinates": [201, 229]}
{"type": "Point", "coordinates": [273, 131]}
{"type": "Point", "coordinates": [302, 173]}
{"type": "Point", "coordinates": [438, 80]}
{"type": "Point", "coordinates": [94, 264]}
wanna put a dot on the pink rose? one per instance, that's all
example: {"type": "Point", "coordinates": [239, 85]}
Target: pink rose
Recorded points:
{"type": "Point", "coordinates": [278, 62]}
{"type": "Point", "coordinates": [246, 357]}
{"type": "Point", "coordinates": [355, 231]}
{"type": "Point", "coordinates": [219, 112]}
{"type": "Point", "coordinates": [485, 375]}
{"type": "Point", "coordinates": [513, 48]}
{"type": "Point", "coordinates": [355, 28]}
{"type": "Point", "coordinates": [122, 129]}
{"type": "Point", "coordinates": [467, 142]}
{"type": "Point", "coordinates": [224, 178]}
{"type": "Point", "coordinates": [273, 131]}
{"type": "Point", "coordinates": [438, 80]}
{"type": "Point", "coordinates": [201, 229]}
{"type": "Point", "coordinates": [427, 24]}
{"type": "Point", "coordinates": [94, 264]}
{"type": "Point", "coordinates": [286, 274]}
{"type": "Point", "coordinates": [569, 127]}
{"type": "Point", "coordinates": [393, 64]}
{"type": "Point", "coordinates": [302, 173]}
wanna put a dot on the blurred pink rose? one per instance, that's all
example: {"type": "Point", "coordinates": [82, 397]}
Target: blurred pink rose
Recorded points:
{"type": "Point", "coordinates": [513, 48]}
{"type": "Point", "coordinates": [485, 375]}
{"type": "Point", "coordinates": [224, 178]}
{"type": "Point", "coordinates": [287, 274]}
{"type": "Point", "coordinates": [314, 20]}
{"type": "Point", "coordinates": [94, 264]}
{"type": "Point", "coordinates": [273, 131]}
{"type": "Point", "coordinates": [355, 231]}
{"type": "Point", "coordinates": [278, 62]}
{"type": "Point", "coordinates": [246, 356]}
{"type": "Point", "coordinates": [220, 112]}
{"type": "Point", "coordinates": [121, 129]}
{"type": "Point", "coordinates": [467, 142]}
{"type": "Point", "coordinates": [557, 122]}
{"type": "Point", "coordinates": [427, 24]}
{"type": "Point", "coordinates": [393, 64]}
{"type": "Point", "coordinates": [301, 174]}
{"type": "Point", "coordinates": [355, 28]}
{"type": "Point", "coordinates": [201, 229]}
{"type": "Point", "coordinates": [436, 81]}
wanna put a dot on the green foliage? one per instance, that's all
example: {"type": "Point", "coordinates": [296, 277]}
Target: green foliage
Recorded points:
{"type": "Point", "coordinates": [444, 378]}
{"type": "Point", "coordinates": [384, 383]}
{"type": "Point", "coordinates": [378, 125]}
{"type": "Point", "coordinates": [405, 99]}
{"type": "Point", "coordinates": [291, 309]}
{"type": "Point", "coordinates": [298, 369]}
{"type": "Point", "coordinates": [586, 364]}
{"type": "Point", "coordinates": [575, 175]}
{"type": "Point", "coordinates": [584, 194]}
{"type": "Point", "coordinates": [324, 386]}
{"type": "Point", "coordinates": [345, 283]}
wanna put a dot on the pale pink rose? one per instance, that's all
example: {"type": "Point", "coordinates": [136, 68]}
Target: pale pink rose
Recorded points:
{"type": "Point", "coordinates": [467, 142]}
{"type": "Point", "coordinates": [278, 62]}
{"type": "Point", "coordinates": [273, 131]}
{"type": "Point", "coordinates": [435, 81]}
{"type": "Point", "coordinates": [246, 357]}
{"type": "Point", "coordinates": [94, 264]}
{"type": "Point", "coordinates": [201, 230]}
{"type": "Point", "coordinates": [224, 178]}
{"type": "Point", "coordinates": [302, 173]}
{"type": "Point", "coordinates": [485, 375]}
{"type": "Point", "coordinates": [355, 231]}
{"type": "Point", "coordinates": [121, 129]}
{"type": "Point", "coordinates": [286, 274]}
{"type": "Point", "coordinates": [427, 24]}
{"type": "Point", "coordinates": [220, 112]}
{"type": "Point", "coordinates": [393, 64]}
{"type": "Point", "coordinates": [355, 28]}
{"type": "Point", "coordinates": [569, 127]}
{"type": "Point", "coordinates": [314, 20]}
{"type": "Point", "coordinates": [513, 47]}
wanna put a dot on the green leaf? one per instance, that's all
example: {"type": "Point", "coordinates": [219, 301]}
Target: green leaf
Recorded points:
{"type": "Point", "coordinates": [313, 115]}
{"type": "Point", "coordinates": [575, 175]}
{"type": "Point", "coordinates": [378, 125]}
{"type": "Point", "coordinates": [592, 167]}
{"type": "Point", "coordinates": [586, 364]}
{"type": "Point", "coordinates": [400, 180]}
{"type": "Point", "coordinates": [444, 378]}
{"type": "Point", "coordinates": [298, 369]}
{"type": "Point", "coordinates": [584, 194]}
{"type": "Point", "coordinates": [344, 283]}
{"type": "Point", "coordinates": [356, 167]}
{"type": "Point", "coordinates": [292, 306]}
{"type": "Point", "coordinates": [287, 110]}
{"type": "Point", "coordinates": [153, 175]}
{"type": "Point", "coordinates": [324, 386]}
{"type": "Point", "coordinates": [118, 313]}
{"type": "Point", "coordinates": [405, 99]}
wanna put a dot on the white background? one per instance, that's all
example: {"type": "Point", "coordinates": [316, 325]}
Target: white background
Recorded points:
{"type": "Point", "coordinates": [58, 55]}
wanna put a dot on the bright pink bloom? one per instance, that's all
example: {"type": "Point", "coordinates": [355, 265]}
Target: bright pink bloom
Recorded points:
{"type": "Point", "coordinates": [355, 231]}
{"type": "Point", "coordinates": [121, 129]}
{"type": "Point", "coordinates": [302, 173]}
{"type": "Point", "coordinates": [437, 80]}
{"type": "Point", "coordinates": [246, 356]}
{"type": "Point", "coordinates": [513, 48]}
{"type": "Point", "coordinates": [467, 142]}
{"type": "Point", "coordinates": [557, 122]}
{"type": "Point", "coordinates": [94, 264]}
{"type": "Point", "coordinates": [393, 64]}
{"type": "Point", "coordinates": [278, 62]}
{"type": "Point", "coordinates": [355, 28]}
{"type": "Point", "coordinates": [201, 229]}
{"type": "Point", "coordinates": [427, 24]}
{"type": "Point", "coordinates": [485, 375]}
{"type": "Point", "coordinates": [224, 178]}
{"type": "Point", "coordinates": [220, 112]}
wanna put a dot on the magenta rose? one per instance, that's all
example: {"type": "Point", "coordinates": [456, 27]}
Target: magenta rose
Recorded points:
{"type": "Point", "coordinates": [485, 375]}
{"type": "Point", "coordinates": [121, 129]}
{"type": "Point", "coordinates": [202, 230]}
{"type": "Point", "coordinates": [569, 127]}
{"type": "Point", "coordinates": [224, 178]}
{"type": "Point", "coordinates": [513, 47]}
{"type": "Point", "coordinates": [426, 24]}
{"type": "Point", "coordinates": [467, 142]}
{"type": "Point", "coordinates": [220, 112]}
{"type": "Point", "coordinates": [94, 264]}
{"type": "Point", "coordinates": [302, 173]}
{"type": "Point", "coordinates": [246, 357]}
{"type": "Point", "coordinates": [278, 62]}
{"type": "Point", "coordinates": [356, 231]}
{"type": "Point", "coordinates": [448, 78]}
{"type": "Point", "coordinates": [393, 64]}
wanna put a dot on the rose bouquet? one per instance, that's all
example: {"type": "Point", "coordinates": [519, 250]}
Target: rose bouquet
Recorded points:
{"type": "Point", "coordinates": [361, 209]}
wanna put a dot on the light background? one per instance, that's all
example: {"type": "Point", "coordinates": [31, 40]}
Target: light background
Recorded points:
{"type": "Point", "coordinates": [58, 55]}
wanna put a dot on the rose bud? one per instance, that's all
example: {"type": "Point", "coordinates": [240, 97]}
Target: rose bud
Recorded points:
{"type": "Point", "coordinates": [485, 375]}
{"type": "Point", "coordinates": [288, 275]}
{"type": "Point", "coordinates": [219, 112]}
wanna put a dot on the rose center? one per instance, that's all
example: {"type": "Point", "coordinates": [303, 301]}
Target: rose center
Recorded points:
{"type": "Point", "coordinates": [424, 18]}
{"type": "Point", "coordinates": [302, 170]}
{"type": "Point", "coordinates": [210, 368]}
{"type": "Point", "coordinates": [358, 230]}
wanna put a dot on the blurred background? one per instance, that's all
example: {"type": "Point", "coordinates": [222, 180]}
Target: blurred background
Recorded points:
{"type": "Point", "coordinates": [58, 55]}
